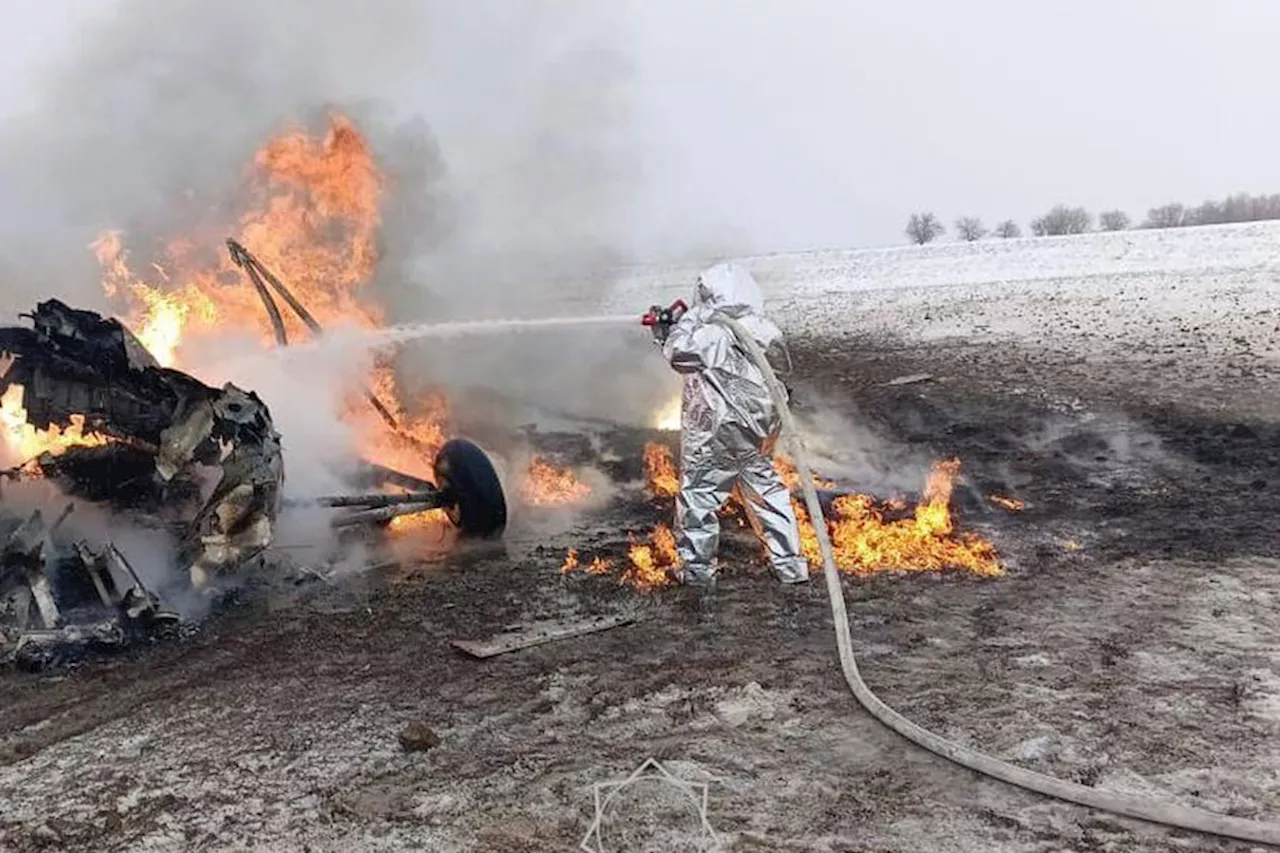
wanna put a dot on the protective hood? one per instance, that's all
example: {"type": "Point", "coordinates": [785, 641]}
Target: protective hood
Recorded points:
{"type": "Point", "coordinates": [730, 289]}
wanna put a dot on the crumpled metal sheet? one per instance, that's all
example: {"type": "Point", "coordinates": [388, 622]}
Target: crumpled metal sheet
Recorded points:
{"type": "Point", "coordinates": [238, 520]}
{"type": "Point", "coordinates": [60, 598]}
{"type": "Point", "coordinates": [75, 362]}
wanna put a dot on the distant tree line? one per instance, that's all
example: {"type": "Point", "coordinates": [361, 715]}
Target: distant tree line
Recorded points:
{"type": "Point", "coordinates": [926, 227]}
{"type": "Point", "coordinates": [1236, 208]}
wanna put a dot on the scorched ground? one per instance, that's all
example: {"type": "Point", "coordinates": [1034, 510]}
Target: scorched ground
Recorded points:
{"type": "Point", "coordinates": [1129, 639]}
{"type": "Point", "coordinates": [1125, 647]}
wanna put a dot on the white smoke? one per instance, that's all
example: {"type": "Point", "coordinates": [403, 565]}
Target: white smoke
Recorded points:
{"type": "Point", "coordinates": [507, 140]}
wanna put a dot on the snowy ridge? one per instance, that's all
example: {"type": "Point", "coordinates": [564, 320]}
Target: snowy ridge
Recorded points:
{"type": "Point", "coordinates": [1072, 289]}
{"type": "Point", "coordinates": [992, 261]}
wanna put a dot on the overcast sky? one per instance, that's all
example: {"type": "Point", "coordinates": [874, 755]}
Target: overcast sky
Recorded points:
{"type": "Point", "coordinates": [760, 125]}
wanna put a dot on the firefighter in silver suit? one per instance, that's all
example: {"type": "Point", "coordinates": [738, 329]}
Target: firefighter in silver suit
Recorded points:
{"type": "Point", "coordinates": [728, 428]}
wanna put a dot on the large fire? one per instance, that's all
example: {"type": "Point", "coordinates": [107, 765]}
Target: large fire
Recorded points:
{"type": "Point", "coordinates": [312, 218]}
{"type": "Point", "coordinates": [866, 535]}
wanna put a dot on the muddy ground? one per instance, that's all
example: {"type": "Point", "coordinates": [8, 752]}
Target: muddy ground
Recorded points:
{"type": "Point", "coordinates": [1134, 644]}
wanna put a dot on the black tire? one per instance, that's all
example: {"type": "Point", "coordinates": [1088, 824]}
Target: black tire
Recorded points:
{"type": "Point", "coordinates": [476, 502]}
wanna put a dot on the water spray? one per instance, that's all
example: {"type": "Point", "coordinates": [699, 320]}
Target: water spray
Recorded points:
{"type": "Point", "coordinates": [418, 331]}
{"type": "Point", "coordinates": [372, 340]}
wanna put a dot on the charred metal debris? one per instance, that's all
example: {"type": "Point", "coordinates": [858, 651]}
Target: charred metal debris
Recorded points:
{"type": "Point", "coordinates": [158, 433]}
{"type": "Point", "coordinates": [175, 454]}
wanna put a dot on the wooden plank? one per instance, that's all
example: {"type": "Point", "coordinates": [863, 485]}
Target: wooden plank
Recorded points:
{"type": "Point", "coordinates": [536, 635]}
{"type": "Point", "coordinates": [909, 380]}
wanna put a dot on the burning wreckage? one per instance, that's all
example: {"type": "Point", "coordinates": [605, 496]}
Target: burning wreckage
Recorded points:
{"type": "Point", "coordinates": [151, 434]}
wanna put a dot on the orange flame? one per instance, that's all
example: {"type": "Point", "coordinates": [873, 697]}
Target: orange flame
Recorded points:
{"type": "Point", "coordinates": [27, 442]}
{"type": "Point", "coordinates": [546, 485]}
{"type": "Point", "coordinates": [652, 563]}
{"type": "Point", "coordinates": [598, 566]}
{"type": "Point", "coordinates": [864, 541]}
{"type": "Point", "coordinates": [312, 219]}
{"type": "Point", "coordinates": [427, 519]}
{"type": "Point", "coordinates": [660, 471]}
{"type": "Point", "coordinates": [157, 318]}
{"type": "Point", "coordinates": [866, 535]}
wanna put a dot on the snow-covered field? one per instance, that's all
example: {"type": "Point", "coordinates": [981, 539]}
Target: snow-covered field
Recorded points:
{"type": "Point", "coordinates": [1122, 384]}
{"type": "Point", "coordinates": [1220, 282]}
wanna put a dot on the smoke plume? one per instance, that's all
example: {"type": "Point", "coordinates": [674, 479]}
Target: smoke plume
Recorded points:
{"type": "Point", "coordinates": [507, 142]}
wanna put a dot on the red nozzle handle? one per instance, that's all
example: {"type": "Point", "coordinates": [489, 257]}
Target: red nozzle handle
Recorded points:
{"type": "Point", "coordinates": [657, 314]}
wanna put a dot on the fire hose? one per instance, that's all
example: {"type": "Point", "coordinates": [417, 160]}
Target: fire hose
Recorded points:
{"type": "Point", "coordinates": [1151, 811]}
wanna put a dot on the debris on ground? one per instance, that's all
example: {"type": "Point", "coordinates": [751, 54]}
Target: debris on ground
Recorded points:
{"type": "Point", "coordinates": [537, 634]}
{"type": "Point", "coordinates": [910, 379]}
{"type": "Point", "coordinates": [110, 426]}
{"type": "Point", "coordinates": [418, 737]}
{"type": "Point", "coordinates": [61, 597]}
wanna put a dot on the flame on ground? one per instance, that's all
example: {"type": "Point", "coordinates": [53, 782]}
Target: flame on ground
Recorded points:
{"type": "Point", "coordinates": [1011, 504]}
{"type": "Point", "coordinates": [865, 541]}
{"type": "Point", "coordinates": [660, 472]}
{"type": "Point", "coordinates": [867, 535]}
{"type": "Point", "coordinates": [546, 485]}
{"type": "Point", "coordinates": [598, 566]}
{"type": "Point", "coordinates": [652, 563]}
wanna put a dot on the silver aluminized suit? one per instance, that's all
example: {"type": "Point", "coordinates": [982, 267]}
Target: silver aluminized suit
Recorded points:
{"type": "Point", "coordinates": [729, 426]}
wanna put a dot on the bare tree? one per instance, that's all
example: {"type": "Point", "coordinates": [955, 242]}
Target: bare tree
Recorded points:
{"type": "Point", "coordinates": [970, 228]}
{"type": "Point", "coordinates": [1236, 208]}
{"type": "Point", "coordinates": [1113, 220]}
{"type": "Point", "coordinates": [1008, 230]}
{"type": "Point", "coordinates": [924, 228]}
{"type": "Point", "coordinates": [1062, 220]}
{"type": "Point", "coordinates": [1166, 216]}
{"type": "Point", "coordinates": [1213, 213]}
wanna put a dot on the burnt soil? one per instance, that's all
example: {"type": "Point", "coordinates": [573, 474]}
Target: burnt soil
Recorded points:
{"type": "Point", "coordinates": [1132, 644]}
